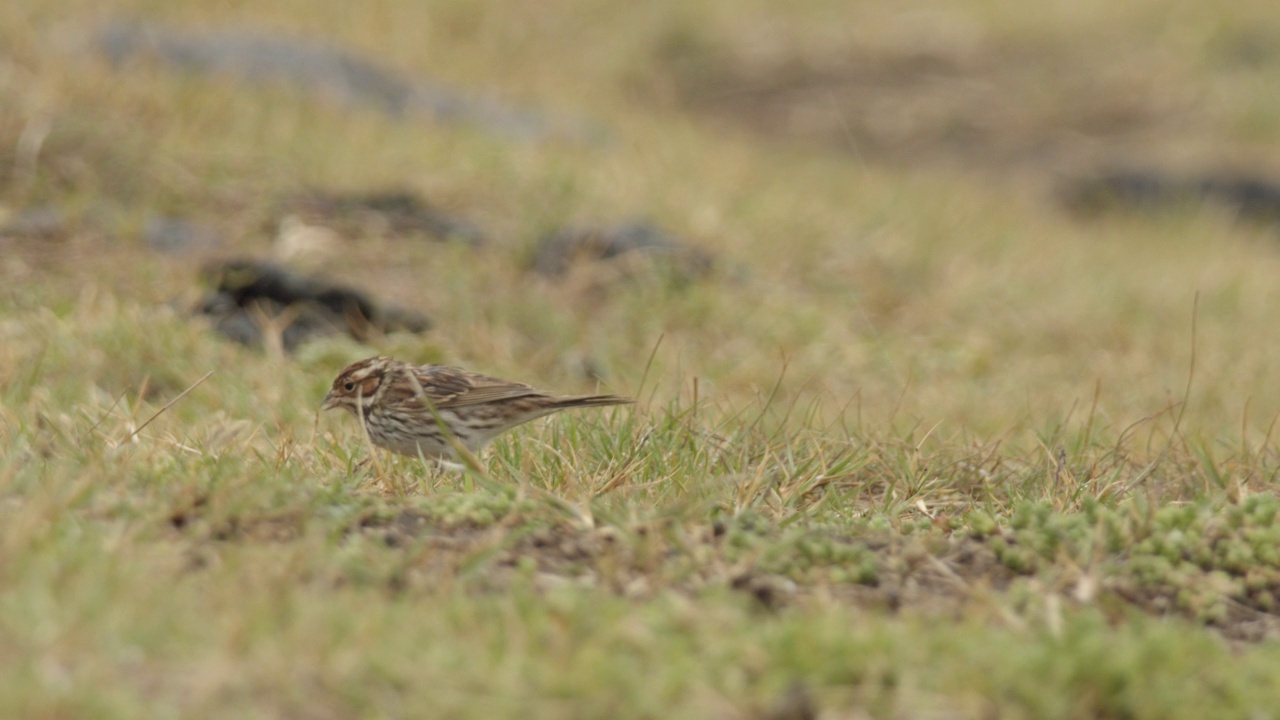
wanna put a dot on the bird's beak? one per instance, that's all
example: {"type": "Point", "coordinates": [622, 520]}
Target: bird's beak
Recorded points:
{"type": "Point", "coordinates": [329, 402]}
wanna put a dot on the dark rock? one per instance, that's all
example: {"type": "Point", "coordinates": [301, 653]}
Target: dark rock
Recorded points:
{"type": "Point", "coordinates": [321, 70]}
{"type": "Point", "coordinates": [175, 235]}
{"type": "Point", "coordinates": [392, 213]}
{"type": "Point", "coordinates": [248, 294]}
{"type": "Point", "coordinates": [556, 252]}
{"type": "Point", "coordinates": [1253, 198]}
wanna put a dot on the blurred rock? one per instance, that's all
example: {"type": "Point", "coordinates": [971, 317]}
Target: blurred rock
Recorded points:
{"type": "Point", "coordinates": [388, 213]}
{"type": "Point", "coordinates": [1253, 198]}
{"type": "Point", "coordinates": [556, 252]}
{"type": "Point", "coordinates": [326, 72]}
{"type": "Point", "coordinates": [179, 236]}
{"type": "Point", "coordinates": [249, 297]}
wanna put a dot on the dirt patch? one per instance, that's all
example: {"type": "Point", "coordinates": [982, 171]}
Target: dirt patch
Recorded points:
{"type": "Point", "coordinates": [935, 573]}
{"type": "Point", "coordinates": [940, 575]}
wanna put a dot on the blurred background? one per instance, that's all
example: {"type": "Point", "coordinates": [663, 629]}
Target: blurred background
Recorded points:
{"type": "Point", "coordinates": [984, 216]}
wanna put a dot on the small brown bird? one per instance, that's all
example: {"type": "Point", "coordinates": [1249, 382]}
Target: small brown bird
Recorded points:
{"type": "Point", "coordinates": [396, 402]}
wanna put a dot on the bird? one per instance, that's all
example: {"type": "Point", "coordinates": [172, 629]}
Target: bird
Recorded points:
{"type": "Point", "coordinates": [415, 410]}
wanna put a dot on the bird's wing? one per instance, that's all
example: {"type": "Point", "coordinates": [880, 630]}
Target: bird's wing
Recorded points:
{"type": "Point", "coordinates": [450, 387]}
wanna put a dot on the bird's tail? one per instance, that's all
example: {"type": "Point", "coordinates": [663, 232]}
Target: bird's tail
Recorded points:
{"type": "Point", "coordinates": [591, 401]}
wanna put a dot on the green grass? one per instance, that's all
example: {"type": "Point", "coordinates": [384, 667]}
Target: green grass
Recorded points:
{"type": "Point", "coordinates": [924, 444]}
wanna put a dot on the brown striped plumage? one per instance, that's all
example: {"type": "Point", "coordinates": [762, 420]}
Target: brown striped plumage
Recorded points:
{"type": "Point", "coordinates": [400, 403]}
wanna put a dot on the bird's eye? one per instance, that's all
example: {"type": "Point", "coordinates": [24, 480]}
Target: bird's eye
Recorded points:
{"type": "Point", "coordinates": [349, 386]}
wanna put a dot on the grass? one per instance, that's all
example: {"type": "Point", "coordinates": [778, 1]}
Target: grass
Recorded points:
{"type": "Point", "coordinates": [923, 444]}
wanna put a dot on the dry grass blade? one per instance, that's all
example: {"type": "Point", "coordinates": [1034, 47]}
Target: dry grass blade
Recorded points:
{"type": "Point", "coordinates": [129, 438]}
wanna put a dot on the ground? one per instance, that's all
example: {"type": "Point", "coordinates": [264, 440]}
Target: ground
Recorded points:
{"type": "Point", "coordinates": [917, 433]}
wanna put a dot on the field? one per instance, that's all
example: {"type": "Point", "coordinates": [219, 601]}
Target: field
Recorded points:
{"type": "Point", "coordinates": [956, 392]}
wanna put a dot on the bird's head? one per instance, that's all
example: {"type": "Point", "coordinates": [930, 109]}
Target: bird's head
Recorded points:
{"type": "Point", "coordinates": [357, 385]}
